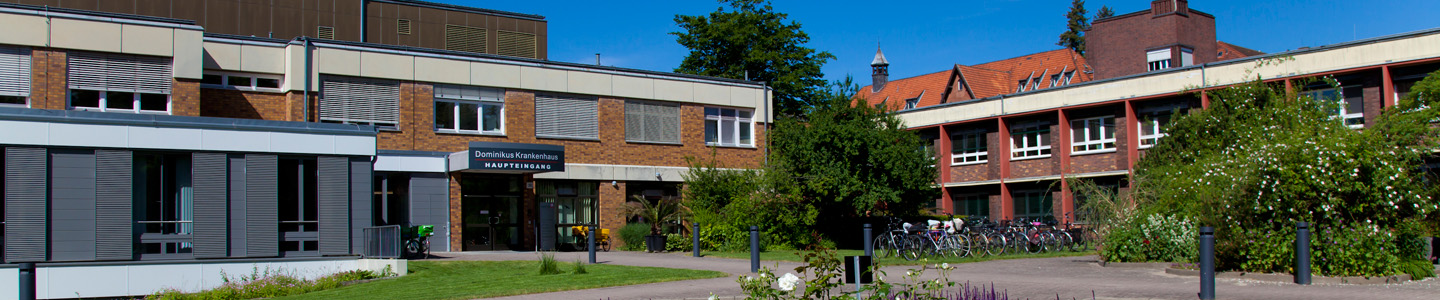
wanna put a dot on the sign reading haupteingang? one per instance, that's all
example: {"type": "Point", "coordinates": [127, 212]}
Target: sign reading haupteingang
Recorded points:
{"type": "Point", "coordinates": [516, 157]}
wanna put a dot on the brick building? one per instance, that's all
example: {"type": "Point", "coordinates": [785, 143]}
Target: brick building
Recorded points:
{"type": "Point", "coordinates": [1003, 156]}
{"type": "Point", "coordinates": [147, 146]}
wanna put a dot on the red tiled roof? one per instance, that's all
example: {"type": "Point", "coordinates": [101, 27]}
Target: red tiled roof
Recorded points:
{"type": "Point", "coordinates": [1230, 51]}
{"type": "Point", "coordinates": [928, 87]}
{"type": "Point", "coordinates": [1041, 65]}
{"type": "Point", "coordinates": [985, 82]}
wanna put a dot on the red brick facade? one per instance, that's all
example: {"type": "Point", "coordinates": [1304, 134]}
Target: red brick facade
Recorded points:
{"type": "Point", "coordinates": [1116, 46]}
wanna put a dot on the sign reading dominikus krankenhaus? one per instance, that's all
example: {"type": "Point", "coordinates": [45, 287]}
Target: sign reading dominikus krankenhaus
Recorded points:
{"type": "Point", "coordinates": [516, 157]}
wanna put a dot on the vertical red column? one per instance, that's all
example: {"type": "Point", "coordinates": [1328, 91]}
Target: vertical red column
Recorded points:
{"type": "Point", "coordinates": [1064, 153]}
{"type": "Point", "coordinates": [1387, 88]}
{"type": "Point", "coordinates": [1132, 136]}
{"type": "Point", "coordinates": [1204, 99]}
{"type": "Point", "coordinates": [942, 165]}
{"type": "Point", "coordinates": [1006, 202]}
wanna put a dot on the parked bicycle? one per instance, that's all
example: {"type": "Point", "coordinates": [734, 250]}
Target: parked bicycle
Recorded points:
{"type": "Point", "coordinates": [416, 241]}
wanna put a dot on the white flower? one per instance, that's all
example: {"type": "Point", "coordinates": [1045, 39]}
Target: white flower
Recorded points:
{"type": "Point", "coordinates": [788, 282]}
{"type": "Point", "coordinates": [945, 266]}
{"type": "Point", "coordinates": [712, 297]}
{"type": "Point", "coordinates": [909, 273]}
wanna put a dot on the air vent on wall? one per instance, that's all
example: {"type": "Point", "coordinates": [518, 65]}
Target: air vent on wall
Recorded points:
{"type": "Point", "coordinates": [464, 38]}
{"type": "Point", "coordinates": [402, 26]}
{"type": "Point", "coordinates": [325, 32]}
{"type": "Point", "coordinates": [515, 44]}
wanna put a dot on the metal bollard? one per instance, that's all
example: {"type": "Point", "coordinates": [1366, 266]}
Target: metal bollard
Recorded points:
{"type": "Point", "coordinates": [27, 281]}
{"type": "Point", "coordinates": [1207, 263]}
{"type": "Point", "coordinates": [695, 235]}
{"type": "Point", "coordinates": [754, 249]}
{"type": "Point", "coordinates": [869, 244]}
{"type": "Point", "coordinates": [1302, 253]}
{"type": "Point", "coordinates": [590, 238]}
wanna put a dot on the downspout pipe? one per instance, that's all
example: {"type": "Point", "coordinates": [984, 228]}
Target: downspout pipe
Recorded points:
{"type": "Point", "coordinates": [769, 119]}
{"type": "Point", "coordinates": [364, 8]}
{"type": "Point", "coordinates": [309, 58]}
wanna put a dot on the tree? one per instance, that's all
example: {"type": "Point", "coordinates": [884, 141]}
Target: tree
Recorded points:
{"type": "Point", "coordinates": [751, 40]}
{"type": "Point", "coordinates": [1104, 12]}
{"type": "Point", "coordinates": [1074, 36]}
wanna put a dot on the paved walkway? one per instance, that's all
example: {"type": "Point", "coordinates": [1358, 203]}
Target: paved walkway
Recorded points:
{"type": "Point", "coordinates": [1036, 278]}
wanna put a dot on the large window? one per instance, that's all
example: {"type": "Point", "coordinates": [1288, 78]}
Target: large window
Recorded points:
{"type": "Point", "coordinates": [1157, 59]}
{"type": "Point", "coordinates": [1030, 140]}
{"type": "Point", "coordinates": [1092, 135]}
{"type": "Point", "coordinates": [119, 83]}
{"type": "Point", "coordinates": [567, 117]}
{"type": "Point", "coordinates": [164, 205]}
{"type": "Point", "coordinates": [968, 147]}
{"type": "Point", "coordinates": [462, 109]}
{"type": "Point", "coordinates": [1404, 84]}
{"type": "Point", "coordinates": [241, 81]}
{"type": "Point", "coordinates": [1033, 204]}
{"type": "Point", "coordinates": [575, 205]}
{"type": "Point", "coordinates": [299, 207]}
{"type": "Point", "coordinates": [1349, 99]}
{"type": "Point", "coordinates": [973, 205]}
{"type": "Point", "coordinates": [728, 127]}
{"type": "Point", "coordinates": [652, 122]}
{"type": "Point", "coordinates": [14, 76]}
{"type": "Point", "coordinates": [1152, 123]}
{"type": "Point", "coordinates": [360, 101]}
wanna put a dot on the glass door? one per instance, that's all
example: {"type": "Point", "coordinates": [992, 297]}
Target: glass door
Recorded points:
{"type": "Point", "coordinates": [491, 212]}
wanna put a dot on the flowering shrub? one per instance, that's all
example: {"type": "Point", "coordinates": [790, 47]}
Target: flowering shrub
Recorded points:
{"type": "Point", "coordinates": [269, 285]}
{"type": "Point", "coordinates": [1152, 238]}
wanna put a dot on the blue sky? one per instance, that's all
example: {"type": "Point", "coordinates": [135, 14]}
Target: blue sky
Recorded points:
{"type": "Point", "coordinates": [921, 37]}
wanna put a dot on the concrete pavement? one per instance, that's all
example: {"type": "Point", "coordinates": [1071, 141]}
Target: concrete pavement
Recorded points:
{"type": "Point", "coordinates": [1036, 278]}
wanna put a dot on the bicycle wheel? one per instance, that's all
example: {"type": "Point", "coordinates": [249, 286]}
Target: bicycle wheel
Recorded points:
{"type": "Point", "coordinates": [1051, 242]}
{"type": "Point", "coordinates": [884, 246]}
{"type": "Point", "coordinates": [912, 248]}
{"type": "Point", "coordinates": [979, 245]}
{"type": "Point", "coordinates": [1034, 243]}
{"type": "Point", "coordinates": [959, 246]}
{"type": "Point", "coordinates": [996, 245]}
{"type": "Point", "coordinates": [1016, 242]}
{"type": "Point", "coordinates": [1067, 242]}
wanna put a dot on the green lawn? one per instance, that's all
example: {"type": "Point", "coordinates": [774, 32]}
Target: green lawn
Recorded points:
{"type": "Point", "coordinates": [796, 256]}
{"type": "Point", "coordinates": [481, 279]}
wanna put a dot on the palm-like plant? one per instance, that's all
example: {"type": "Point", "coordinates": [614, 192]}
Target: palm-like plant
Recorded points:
{"type": "Point", "coordinates": [657, 213]}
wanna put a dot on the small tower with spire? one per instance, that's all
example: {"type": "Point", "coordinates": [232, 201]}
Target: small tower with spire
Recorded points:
{"type": "Point", "coordinates": [879, 71]}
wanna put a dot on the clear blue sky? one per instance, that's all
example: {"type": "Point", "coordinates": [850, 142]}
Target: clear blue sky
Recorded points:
{"type": "Point", "coordinates": [921, 37]}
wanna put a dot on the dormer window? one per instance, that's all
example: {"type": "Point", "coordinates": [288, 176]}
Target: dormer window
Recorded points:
{"type": "Point", "coordinates": [1021, 85]}
{"type": "Point", "coordinates": [912, 102]}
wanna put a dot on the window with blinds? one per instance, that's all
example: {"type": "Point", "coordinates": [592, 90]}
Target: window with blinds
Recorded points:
{"type": "Point", "coordinates": [14, 75]}
{"type": "Point", "coordinates": [119, 82]}
{"type": "Point", "coordinates": [360, 101]}
{"type": "Point", "coordinates": [566, 117]}
{"type": "Point", "coordinates": [652, 122]}
{"type": "Point", "coordinates": [464, 38]}
{"type": "Point", "coordinates": [517, 44]}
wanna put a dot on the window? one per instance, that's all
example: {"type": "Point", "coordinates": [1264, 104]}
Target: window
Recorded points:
{"type": "Point", "coordinates": [1187, 57]}
{"type": "Point", "coordinates": [1068, 76]}
{"type": "Point", "coordinates": [1030, 140]}
{"type": "Point", "coordinates": [912, 102]}
{"type": "Point", "coordinates": [1035, 83]}
{"type": "Point", "coordinates": [463, 109]}
{"type": "Point", "coordinates": [14, 76]}
{"type": "Point", "coordinates": [299, 207]}
{"type": "Point", "coordinates": [652, 122]}
{"type": "Point", "coordinates": [1403, 84]}
{"type": "Point", "coordinates": [968, 148]}
{"type": "Point", "coordinates": [119, 82]}
{"type": "Point", "coordinates": [1350, 100]}
{"type": "Point", "coordinates": [1158, 59]}
{"type": "Point", "coordinates": [1093, 135]}
{"type": "Point", "coordinates": [1055, 80]}
{"type": "Point", "coordinates": [566, 117]}
{"type": "Point", "coordinates": [575, 205]}
{"type": "Point", "coordinates": [238, 81]}
{"type": "Point", "coordinates": [464, 38]}
{"type": "Point", "coordinates": [1152, 122]}
{"type": "Point", "coordinates": [973, 205]}
{"type": "Point", "coordinates": [164, 206]}
{"type": "Point", "coordinates": [1020, 87]}
{"type": "Point", "coordinates": [1032, 204]}
{"type": "Point", "coordinates": [360, 101]}
{"type": "Point", "coordinates": [728, 127]}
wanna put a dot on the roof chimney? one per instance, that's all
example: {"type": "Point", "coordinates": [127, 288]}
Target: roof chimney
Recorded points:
{"type": "Point", "coordinates": [1160, 7]}
{"type": "Point", "coordinates": [879, 72]}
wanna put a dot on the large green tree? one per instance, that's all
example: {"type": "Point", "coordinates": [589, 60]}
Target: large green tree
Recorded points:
{"type": "Point", "coordinates": [1104, 12]}
{"type": "Point", "coordinates": [1074, 36]}
{"type": "Point", "coordinates": [750, 39]}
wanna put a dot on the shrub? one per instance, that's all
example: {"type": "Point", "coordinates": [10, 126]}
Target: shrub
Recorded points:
{"type": "Point", "coordinates": [633, 235]}
{"type": "Point", "coordinates": [580, 267]}
{"type": "Point", "coordinates": [676, 242]}
{"type": "Point", "coordinates": [548, 265]}
{"type": "Point", "coordinates": [267, 285]}
{"type": "Point", "coordinates": [1418, 269]}
{"type": "Point", "coordinates": [1152, 238]}
{"type": "Point", "coordinates": [1356, 250]}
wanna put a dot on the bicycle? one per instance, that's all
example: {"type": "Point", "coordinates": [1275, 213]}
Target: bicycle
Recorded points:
{"type": "Point", "coordinates": [416, 240]}
{"type": "Point", "coordinates": [890, 242]}
{"type": "Point", "coordinates": [602, 238]}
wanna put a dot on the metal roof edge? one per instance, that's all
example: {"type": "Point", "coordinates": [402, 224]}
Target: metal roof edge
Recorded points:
{"type": "Point", "coordinates": [127, 119]}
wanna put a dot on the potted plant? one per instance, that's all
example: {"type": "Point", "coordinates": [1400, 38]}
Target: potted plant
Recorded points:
{"type": "Point", "coordinates": [657, 213]}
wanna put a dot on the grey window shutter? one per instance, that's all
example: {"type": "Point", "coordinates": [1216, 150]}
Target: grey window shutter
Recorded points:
{"type": "Point", "coordinates": [652, 122]}
{"type": "Point", "coordinates": [361, 194]}
{"type": "Point", "coordinates": [668, 117]}
{"type": "Point", "coordinates": [15, 71]}
{"type": "Point", "coordinates": [262, 224]}
{"type": "Point", "coordinates": [237, 205]}
{"type": "Point", "coordinates": [566, 117]}
{"type": "Point", "coordinates": [360, 100]}
{"type": "Point", "coordinates": [25, 204]}
{"type": "Point", "coordinates": [334, 191]}
{"type": "Point", "coordinates": [114, 190]}
{"type": "Point", "coordinates": [211, 205]}
{"type": "Point", "coordinates": [72, 205]}
{"type": "Point", "coordinates": [634, 121]}
{"type": "Point", "coordinates": [119, 72]}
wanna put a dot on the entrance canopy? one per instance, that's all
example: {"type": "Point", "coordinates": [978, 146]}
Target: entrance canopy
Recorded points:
{"type": "Point", "coordinates": [515, 158]}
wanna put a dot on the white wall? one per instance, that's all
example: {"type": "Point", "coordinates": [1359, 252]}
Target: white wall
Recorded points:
{"type": "Point", "coordinates": [130, 280]}
{"type": "Point", "coordinates": [144, 137]}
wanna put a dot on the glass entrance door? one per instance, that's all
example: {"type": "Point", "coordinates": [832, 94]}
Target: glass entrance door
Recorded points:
{"type": "Point", "coordinates": [490, 207]}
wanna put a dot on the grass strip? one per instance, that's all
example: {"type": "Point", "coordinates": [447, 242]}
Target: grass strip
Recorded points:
{"type": "Point", "coordinates": [482, 279]}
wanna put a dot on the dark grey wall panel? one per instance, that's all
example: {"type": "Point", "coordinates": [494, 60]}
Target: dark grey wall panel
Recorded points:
{"type": "Point", "coordinates": [237, 205]}
{"type": "Point", "coordinates": [333, 183]}
{"type": "Point", "coordinates": [25, 205]}
{"type": "Point", "coordinates": [72, 209]}
{"type": "Point", "coordinates": [262, 225]}
{"type": "Point", "coordinates": [114, 190]}
{"type": "Point", "coordinates": [361, 192]}
{"type": "Point", "coordinates": [211, 205]}
{"type": "Point", "coordinates": [430, 205]}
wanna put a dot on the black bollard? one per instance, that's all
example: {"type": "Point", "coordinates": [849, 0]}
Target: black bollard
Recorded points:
{"type": "Point", "coordinates": [590, 239]}
{"type": "Point", "coordinates": [754, 249]}
{"type": "Point", "coordinates": [1302, 253]}
{"type": "Point", "coordinates": [869, 244]}
{"type": "Point", "coordinates": [695, 235]}
{"type": "Point", "coordinates": [27, 281]}
{"type": "Point", "coordinates": [1207, 263]}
